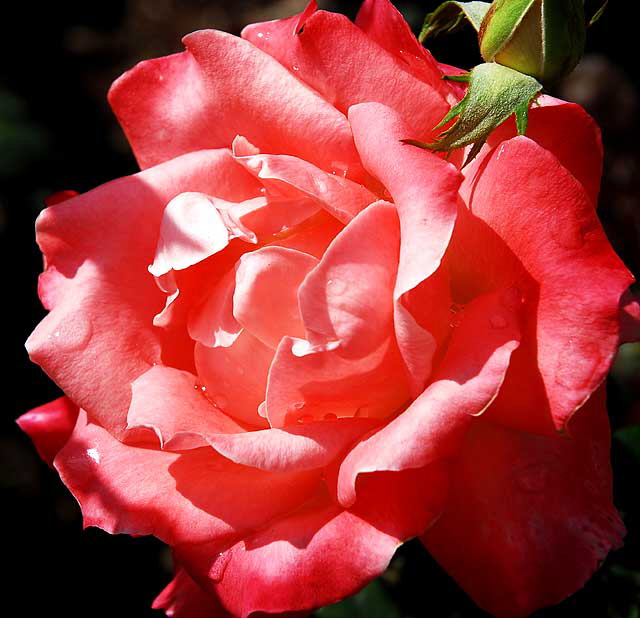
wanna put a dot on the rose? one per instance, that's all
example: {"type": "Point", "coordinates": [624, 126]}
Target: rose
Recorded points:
{"type": "Point", "coordinates": [360, 342]}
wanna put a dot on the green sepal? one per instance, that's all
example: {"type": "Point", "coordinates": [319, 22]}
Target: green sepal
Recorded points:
{"type": "Point", "coordinates": [598, 14]}
{"type": "Point", "coordinates": [449, 15]}
{"type": "Point", "coordinates": [495, 92]}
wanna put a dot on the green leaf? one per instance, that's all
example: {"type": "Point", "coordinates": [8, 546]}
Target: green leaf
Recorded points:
{"type": "Point", "coordinates": [495, 92]}
{"type": "Point", "coordinates": [598, 13]}
{"type": "Point", "coordinates": [630, 437]}
{"type": "Point", "coordinates": [449, 15]}
{"type": "Point", "coordinates": [371, 602]}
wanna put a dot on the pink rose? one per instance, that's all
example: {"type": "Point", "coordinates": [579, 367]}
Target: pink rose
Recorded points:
{"type": "Point", "coordinates": [292, 342]}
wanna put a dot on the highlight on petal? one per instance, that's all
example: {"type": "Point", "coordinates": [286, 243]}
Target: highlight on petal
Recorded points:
{"type": "Point", "coordinates": [192, 230]}
{"type": "Point", "coordinates": [265, 300]}
{"type": "Point", "coordinates": [529, 518]}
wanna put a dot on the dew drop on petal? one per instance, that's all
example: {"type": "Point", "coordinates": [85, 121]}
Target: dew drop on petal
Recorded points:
{"type": "Point", "coordinates": [216, 572]}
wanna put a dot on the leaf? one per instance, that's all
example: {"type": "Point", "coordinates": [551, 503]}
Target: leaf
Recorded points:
{"type": "Point", "coordinates": [449, 15]}
{"type": "Point", "coordinates": [371, 602]}
{"type": "Point", "coordinates": [495, 92]}
{"type": "Point", "coordinates": [630, 438]}
{"type": "Point", "coordinates": [598, 14]}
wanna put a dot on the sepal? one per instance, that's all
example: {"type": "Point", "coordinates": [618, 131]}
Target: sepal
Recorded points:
{"type": "Point", "coordinates": [495, 92]}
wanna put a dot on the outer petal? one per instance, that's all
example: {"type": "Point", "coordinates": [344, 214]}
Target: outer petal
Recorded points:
{"type": "Point", "coordinates": [183, 598]}
{"type": "Point", "coordinates": [49, 426]}
{"type": "Point", "coordinates": [529, 518]}
{"type": "Point", "coordinates": [123, 489]}
{"type": "Point", "coordinates": [385, 25]}
{"type": "Point", "coordinates": [546, 219]}
{"type": "Point", "coordinates": [320, 553]}
{"type": "Point", "coordinates": [105, 299]}
{"type": "Point", "coordinates": [425, 191]}
{"type": "Point", "coordinates": [464, 385]}
{"type": "Point", "coordinates": [316, 54]}
{"type": "Point", "coordinates": [629, 318]}
{"type": "Point", "coordinates": [198, 99]}
{"type": "Point", "coordinates": [568, 132]}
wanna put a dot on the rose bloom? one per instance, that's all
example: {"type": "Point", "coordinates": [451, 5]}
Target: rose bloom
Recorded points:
{"type": "Point", "coordinates": [292, 342]}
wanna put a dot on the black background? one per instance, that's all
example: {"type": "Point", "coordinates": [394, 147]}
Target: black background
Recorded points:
{"type": "Point", "coordinates": [56, 132]}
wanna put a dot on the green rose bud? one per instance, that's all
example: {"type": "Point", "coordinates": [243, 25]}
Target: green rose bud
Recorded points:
{"type": "Point", "coordinates": [541, 38]}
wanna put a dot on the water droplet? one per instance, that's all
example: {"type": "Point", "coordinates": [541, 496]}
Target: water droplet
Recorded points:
{"type": "Point", "coordinates": [262, 409]}
{"type": "Point", "coordinates": [337, 286]}
{"type": "Point", "coordinates": [263, 190]}
{"type": "Point", "coordinates": [216, 572]}
{"type": "Point", "coordinates": [533, 477]}
{"type": "Point", "coordinates": [500, 152]}
{"type": "Point", "coordinates": [497, 321]}
{"type": "Point", "coordinates": [512, 297]}
{"type": "Point", "coordinates": [568, 234]}
{"type": "Point", "coordinates": [295, 67]}
{"type": "Point", "coordinates": [93, 454]}
{"type": "Point", "coordinates": [339, 169]}
{"type": "Point", "coordinates": [220, 402]}
{"type": "Point", "coordinates": [72, 335]}
{"type": "Point", "coordinates": [330, 417]}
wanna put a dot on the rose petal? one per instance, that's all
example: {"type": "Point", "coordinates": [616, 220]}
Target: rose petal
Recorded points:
{"type": "Point", "coordinates": [300, 447]}
{"type": "Point", "coordinates": [49, 426]}
{"type": "Point", "coordinates": [529, 518]}
{"type": "Point", "coordinates": [463, 386]}
{"type": "Point", "coordinates": [171, 402]}
{"type": "Point", "coordinates": [425, 191]}
{"type": "Point", "coordinates": [319, 554]}
{"type": "Point", "coordinates": [198, 99]}
{"type": "Point", "coordinates": [265, 300]}
{"type": "Point", "coordinates": [192, 230]}
{"type": "Point", "coordinates": [341, 197]}
{"type": "Point", "coordinates": [236, 376]}
{"type": "Point", "coordinates": [348, 296]}
{"type": "Point", "coordinates": [123, 489]}
{"type": "Point", "coordinates": [547, 220]}
{"type": "Point", "coordinates": [306, 384]}
{"type": "Point", "coordinates": [568, 132]}
{"type": "Point", "coordinates": [385, 25]}
{"type": "Point", "coordinates": [183, 598]}
{"type": "Point", "coordinates": [101, 323]}
{"type": "Point", "coordinates": [629, 318]}
{"type": "Point", "coordinates": [317, 54]}
{"type": "Point", "coordinates": [212, 323]}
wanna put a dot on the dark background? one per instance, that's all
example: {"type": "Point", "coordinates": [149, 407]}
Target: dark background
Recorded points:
{"type": "Point", "coordinates": [56, 132]}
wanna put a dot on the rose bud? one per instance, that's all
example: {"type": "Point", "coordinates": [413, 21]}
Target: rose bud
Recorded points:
{"type": "Point", "coordinates": [542, 38]}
